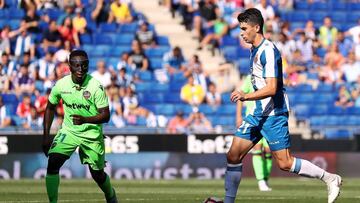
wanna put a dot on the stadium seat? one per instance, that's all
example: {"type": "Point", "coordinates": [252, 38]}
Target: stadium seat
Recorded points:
{"type": "Point", "coordinates": [155, 63]}
{"type": "Point", "coordinates": [226, 110]}
{"type": "Point", "coordinates": [3, 14]}
{"type": "Point", "coordinates": [140, 121]}
{"type": "Point", "coordinates": [145, 76]}
{"type": "Point", "coordinates": [229, 41]}
{"type": "Point", "coordinates": [143, 87]}
{"type": "Point", "coordinates": [54, 14]}
{"type": "Point", "coordinates": [354, 7]}
{"type": "Point", "coordinates": [178, 77]}
{"type": "Point", "coordinates": [242, 52]}
{"type": "Point", "coordinates": [303, 88]}
{"type": "Point", "coordinates": [224, 120]}
{"type": "Point", "coordinates": [353, 17]}
{"type": "Point", "coordinates": [85, 39]}
{"type": "Point", "coordinates": [243, 65]}
{"type": "Point", "coordinates": [324, 88]}
{"type": "Point", "coordinates": [301, 5]}
{"type": "Point", "coordinates": [207, 109]}
{"type": "Point", "coordinates": [117, 50]}
{"type": "Point", "coordinates": [337, 134]}
{"type": "Point", "coordinates": [225, 98]}
{"type": "Point", "coordinates": [298, 16]}
{"type": "Point", "coordinates": [15, 13]}
{"type": "Point", "coordinates": [128, 28]}
{"type": "Point", "coordinates": [353, 111]}
{"type": "Point", "coordinates": [338, 17]}
{"type": "Point", "coordinates": [317, 16]}
{"type": "Point", "coordinates": [338, 5]}
{"type": "Point", "coordinates": [105, 39]}
{"type": "Point", "coordinates": [230, 53]}
{"type": "Point", "coordinates": [155, 98]}
{"type": "Point", "coordinates": [302, 112]}
{"type": "Point", "coordinates": [124, 39]}
{"type": "Point", "coordinates": [165, 109]}
{"type": "Point", "coordinates": [305, 98]}
{"type": "Point", "coordinates": [107, 28]}
{"type": "Point", "coordinates": [162, 40]}
{"type": "Point", "coordinates": [156, 52]}
{"type": "Point", "coordinates": [319, 110]}
{"type": "Point", "coordinates": [176, 86]}
{"type": "Point", "coordinates": [173, 98]}
{"type": "Point", "coordinates": [325, 98]}
{"type": "Point", "coordinates": [157, 87]}
{"type": "Point", "coordinates": [317, 6]}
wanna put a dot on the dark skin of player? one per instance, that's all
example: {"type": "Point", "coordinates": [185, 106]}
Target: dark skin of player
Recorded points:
{"type": "Point", "coordinates": [79, 68]}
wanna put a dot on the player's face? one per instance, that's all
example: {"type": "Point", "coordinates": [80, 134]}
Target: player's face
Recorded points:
{"type": "Point", "coordinates": [248, 32]}
{"type": "Point", "coordinates": [79, 67]}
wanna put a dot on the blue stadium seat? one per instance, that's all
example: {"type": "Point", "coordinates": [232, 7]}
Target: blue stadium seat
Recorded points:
{"type": "Point", "coordinates": [9, 98]}
{"type": "Point", "coordinates": [321, 52]}
{"type": "Point", "coordinates": [226, 110]}
{"type": "Point", "coordinates": [15, 13]}
{"type": "Point", "coordinates": [303, 88]}
{"type": "Point", "coordinates": [186, 108]}
{"type": "Point", "coordinates": [338, 17]}
{"type": "Point", "coordinates": [107, 28]}
{"type": "Point", "coordinates": [12, 3]}
{"type": "Point", "coordinates": [124, 39]}
{"type": "Point", "coordinates": [353, 111]}
{"type": "Point", "coordinates": [207, 109]}
{"type": "Point", "coordinates": [243, 65]}
{"type": "Point", "coordinates": [155, 63]}
{"type": "Point", "coordinates": [3, 14]}
{"type": "Point", "coordinates": [162, 40]}
{"type": "Point", "coordinates": [14, 24]}
{"type": "Point", "coordinates": [323, 87]}
{"type": "Point", "coordinates": [338, 5]}
{"type": "Point", "coordinates": [325, 98]}
{"type": "Point", "coordinates": [334, 110]}
{"type": "Point", "coordinates": [317, 16]}
{"type": "Point", "coordinates": [229, 41]}
{"type": "Point", "coordinates": [128, 28]}
{"type": "Point", "coordinates": [225, 120]}
{"type": "Point", "coordinates": [85, 39]}
{"type": "Point", "coordinates": [140, 121]}
{"type": "Point", "coordinates": [298, 16]}
{"type": "Point", "coordinates": [353, 17]}
{"type": "Point", "coordinates": [302, 112]}
{"type": "Point", "coordinates": [305, 98]}
{"type": "Point", "coordinates": [117, 50]}
{"type": "Point", "coordinates": [99, 51]}
{"type": "Point", "coordinates": [301, 5]}
{"type": "Point", "coordinates": [143, 87]}
{"type": "Point", "coordinates": [316, 6]}
{"type": "Point", "coordinates": [230, 53]}
{"type": "Point", "coordinates": [54, 14]}
{"type": "Point", "coordinates": [165, 109]}
{"type": "Point", "coordinates": [145, 76]}
{"type": "Point", "coordinates": [319, 110]}
{"type": "Point", "coordinates": [178, 77]}
{"type": "Point", "coordinates": [157, 87]}
{"type": "Point", "coordinates": [337, 134]}
{"type": "Point", "coordinates": [353, 7]}
{"type": "Point", "coordinates": [175, 86]}
{"type": "Point", "coordinates": [225, 98]}
{"type": "Point", "coordinates": [156, 52]}
{"type": "Point", "coordinates": [173, 98]}
{"type": "Point", "coordinates": [155, 98]}
{"type": "Point", "coordinates": [105, 39]}
{"type": "Point", "coordinates": [317, 121]}
{"type": "Point", "coordinates": [242, 52]}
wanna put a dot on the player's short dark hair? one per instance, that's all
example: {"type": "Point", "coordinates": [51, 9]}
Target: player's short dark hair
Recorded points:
{"type": "Point", "coordinates": [252, 16]}
{"type": "Point", "coordinates": [78, 52]}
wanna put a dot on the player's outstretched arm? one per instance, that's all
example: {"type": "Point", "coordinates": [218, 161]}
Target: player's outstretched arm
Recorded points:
{"type": "Point", "coordinates": [102, 117]}
{"type": "Point", "coordinates": [268, 91]}
{"type": "Point", "coordinates": [48, 119]}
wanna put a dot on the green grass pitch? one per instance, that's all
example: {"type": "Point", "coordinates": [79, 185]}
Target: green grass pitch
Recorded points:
{"type": "Point", "coordinates": [294, 190]}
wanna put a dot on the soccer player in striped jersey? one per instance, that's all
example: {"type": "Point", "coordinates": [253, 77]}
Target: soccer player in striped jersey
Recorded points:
{"type": "Point", "coordinates": [269, 118]}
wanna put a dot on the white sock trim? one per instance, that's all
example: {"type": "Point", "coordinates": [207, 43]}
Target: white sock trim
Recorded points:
{"type": "Point", "coordinates": [234, 165]}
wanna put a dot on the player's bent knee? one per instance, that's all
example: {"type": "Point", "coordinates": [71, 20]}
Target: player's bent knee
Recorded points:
{"type": "Point", "coordinates": [284, 165]}
{"type": "Point", "coordinates": [233, 158]}
{"type": "Point", "coordinates": [55, 162]}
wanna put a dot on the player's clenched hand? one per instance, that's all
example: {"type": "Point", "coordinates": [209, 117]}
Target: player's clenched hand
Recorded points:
{"type": "Point", "coordinates": [237, 95]}
{"type": "Point", "coordinates": [46, 145]}
{"type": "Point", "coordinates": [77, 119]}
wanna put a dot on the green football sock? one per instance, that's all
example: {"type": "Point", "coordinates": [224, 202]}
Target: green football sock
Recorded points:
{"type": "Point", "coordinates": [52, 186]}
{"type": "Point", "coordinates": [268, 163]}
{"type": "Point", "coordinates": [258, 164]}
{"type": "Point", "coordinates": [107, 188]}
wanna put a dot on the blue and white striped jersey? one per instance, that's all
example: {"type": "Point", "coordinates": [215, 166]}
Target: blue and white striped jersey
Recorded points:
{"type": "Point", "coordinates": [266, 62]}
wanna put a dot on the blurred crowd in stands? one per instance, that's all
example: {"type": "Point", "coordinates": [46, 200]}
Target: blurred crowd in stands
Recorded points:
{"type": "Point", "coordinates": [34, 56]}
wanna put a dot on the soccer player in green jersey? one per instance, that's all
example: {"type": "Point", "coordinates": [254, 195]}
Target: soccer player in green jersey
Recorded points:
{"type": "Point", "coordinates": [261, 158]}
{"type": "Point", "coordinates": [86, 108]}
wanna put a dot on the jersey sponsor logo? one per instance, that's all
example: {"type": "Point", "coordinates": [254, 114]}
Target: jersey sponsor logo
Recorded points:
{"type": "Point", "coordinates": [65, 92]}
{"type": "Point", "coordinates": [78, 106]}
{"type": "Point", "coordinates": [86, 94]}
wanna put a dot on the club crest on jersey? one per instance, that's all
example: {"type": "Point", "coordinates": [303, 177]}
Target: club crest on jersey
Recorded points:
{"type": "Point", "coordinates": [86, 94]}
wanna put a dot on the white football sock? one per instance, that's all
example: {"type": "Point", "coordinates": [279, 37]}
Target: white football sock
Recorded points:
{"type": "Point", "coordinates": [306, 168]}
